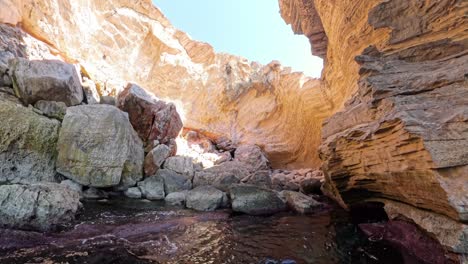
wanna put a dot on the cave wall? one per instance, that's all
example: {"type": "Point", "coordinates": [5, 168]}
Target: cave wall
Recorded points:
{"type": "Point", "coordinates": [397, 71]}
{"type": "Point", "coordinates": [119, 41]}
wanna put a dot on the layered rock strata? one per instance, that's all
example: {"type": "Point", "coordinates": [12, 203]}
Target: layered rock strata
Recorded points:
{"type": "Point", "coordinates": [402, 136]}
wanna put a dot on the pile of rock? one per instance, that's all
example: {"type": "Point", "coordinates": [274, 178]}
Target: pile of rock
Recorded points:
{"type": "Point", "coordinates": [305, 180]}
{"type": "Point", "coordinates": [118, 147]}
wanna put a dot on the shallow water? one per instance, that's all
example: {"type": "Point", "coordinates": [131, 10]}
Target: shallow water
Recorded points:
{"type": "Point", "coordinates": [126, 231]}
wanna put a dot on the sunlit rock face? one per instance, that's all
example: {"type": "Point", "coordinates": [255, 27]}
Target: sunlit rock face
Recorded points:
{"type": "Point", "coordinates": [122, 41]}
{"type": "Point", "coordinates": [396, 71]}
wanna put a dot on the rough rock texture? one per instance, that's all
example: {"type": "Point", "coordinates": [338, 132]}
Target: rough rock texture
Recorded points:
{"type": "Point", "coordinates": [176, 198]}
{"type": "Point", "coordinates": [134, 193]}
{"type": "Point", "coordinates": [52, 80]}
{"type": "Point", "coordinates": [205, 198]}
{"type": "Point", "coordinates": [221, 176]}
{"type": "Point", "coordinates": [152, 188]}
{"type": "Point", "coordinates": [27, 144]}
{"type": "Point", "coordinates": [153, 119]}
{"type": "Point", "coordinates": [155, 158]}
{"type": "Point", "coordinates": [402, 134]}
{"type": "Point", "coordinates": [40, 206]}
{"type": "Point", "coordinates": [254, 200]}
{"type": "Point", "coordinates": [131, 40]}
{"type": "Point", "coordinates": [300, 202]}
{"type": "Point", "coordinates": [182, 165]}
{"type": "Point", "coordinates": [173, 181]}
{"type": "Point", "coordinates": [98, 147]}
{"type": "Point", "coordinates": [252, 157]}
{"type": "Point", "coordinates": [52, 109]}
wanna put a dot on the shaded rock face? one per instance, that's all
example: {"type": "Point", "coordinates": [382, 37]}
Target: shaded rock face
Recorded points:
{"type": "Point", "coordinates": [301, 203]}
{"type": "Point", "coordinates": [98, 147]}
{"type": "Point", "coordinates": [221, 176]}
{"type": "Point", "coordinates": [402, 134]}
{"type": "Point", "coordinates": [155, 158]}
{"type": "Point", "coordinates": [46, 80]}
{"type": "Point", "coordinates": [52, 109]}
{"type": "Point", "coordinates": [27, 144]}
{"type": "Point", "coordinates": [254, 200]}
{"type": "Point", "coordinates": [38, 206]}
{"type": "Point", "coordinates": [152, 188]}
{"type": "Point", "coordinates": [153, 119]}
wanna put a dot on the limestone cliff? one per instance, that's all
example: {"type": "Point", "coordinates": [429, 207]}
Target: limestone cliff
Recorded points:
{"type": "Point", "coordinates": [120, 41]}
{"type": "Point", "coordinates": [397, 72]}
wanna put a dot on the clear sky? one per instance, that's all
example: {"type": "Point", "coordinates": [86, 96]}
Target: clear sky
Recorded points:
{"type": "Point", "coordinates": [253, 29]}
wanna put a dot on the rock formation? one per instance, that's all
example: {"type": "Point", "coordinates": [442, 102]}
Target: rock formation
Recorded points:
{"type": "Point", "coordinates": [120, 41]}
{"type": "Point", "coordinates": [401, 138]}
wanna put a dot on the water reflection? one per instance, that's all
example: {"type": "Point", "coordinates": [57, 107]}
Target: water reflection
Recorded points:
{"type": "Point", "coordinates": [139, 232]}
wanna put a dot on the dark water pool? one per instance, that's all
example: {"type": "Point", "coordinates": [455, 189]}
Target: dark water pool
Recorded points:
{"type": "Point", "coordinates": [123, 231]}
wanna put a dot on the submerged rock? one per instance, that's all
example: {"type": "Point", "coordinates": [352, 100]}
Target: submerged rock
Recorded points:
{"type": "Point", "coordinates": [152, 188]}
{"type": "Point", "coordinates": [98, 147]}
{"type": "Point", "coordinates": [153, 119]}
{"type": "Point", "coordinates": [40, 206]}
{"type": "Point", "coordinates": [206, 198]}
{"type": "Point", "coordinates": [27, 144]}
{"type": "Point", "coordinates": [46, 80]}
{"type": "Point", "coordinates": [300, 202]}
{"type": "Point", "coordinates": [254, 200]}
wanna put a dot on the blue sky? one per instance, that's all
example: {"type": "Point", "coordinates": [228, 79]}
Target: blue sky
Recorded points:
{"type": "Point", "coordinates": [253, 29]}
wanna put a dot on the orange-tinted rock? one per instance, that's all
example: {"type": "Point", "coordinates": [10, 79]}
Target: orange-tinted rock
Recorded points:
{"type": "Point", "coordinates": [153, 119]}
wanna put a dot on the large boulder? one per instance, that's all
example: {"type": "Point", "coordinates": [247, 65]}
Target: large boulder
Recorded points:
{"type": "Point", "coordinates": [155, 158]}
{"type": "Point", "coordinates": [253, 158]}
{"type": "Point", "coordinates": [98, 147]}
{"type": "Point", "coordinates": [221, 176]}
{"type": "Point", "coordinates": [40, 206]}
{"type": "Point", "coordinates": [52, 109]}
{"type": "Point", "coordinates": [27, 144]}
{"type": "Point", "coordinates": [176, 198]}
{"type": "Point", "coordinates": [173, 181]}
{"type": "Point", "coordinates": [153, 119]}
{"type": "Point", "coordinates": [182, 165]}
{"type": "Point", "coordinates": [51, 80]}
{"type": "Point", "coordinates": [255, 200]}
{"type": "Point", "coordinates": [152, 188]}
{"type": "Point", "coordinates": [300, 202]}
{"type": "Point", "coordinates": [206, 198]}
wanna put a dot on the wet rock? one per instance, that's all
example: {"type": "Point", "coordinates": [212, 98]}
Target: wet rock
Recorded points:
{"type": "Point", "coordinates": [40, 206]}
{"type": "Point", "coordinates": [46, 80]}
{"type": "Point", "coordinates": [73, 185]}
{"type": "Point", "coordinates": [155, 158]}
{"type": "Point", "coordinates": [300, 202]}
{"type": "Point", "coordinates": [205, 198]}
{"type": "Point", "coordinates": [52, 109]}
{"type": "Point", "coordinates": [134, 193]}
{"type": "Point", "coordinates": [173, 181]}
{"type": "Point", "coordinates": [253, 158]}
{"type": "Point", "coordinates": [152, 188]}
{"type": "Point", "coordinates": [182, 165]}
{"type": "Point", "coordinates": [98, 147]}
{"type": "Point", "coordinates": [94, 194]}
{"type": "Point", "coordinates": [176, 198]}
{"type": "Point", "coordinates": [153, 119]}
{"type": "Point", "coordinates": [254, 200]}
{"type": "Point", "coordinates": [221, 176]}
{"type": "Point", "coordinates": [27, 144]}
{"type": "Point", "coordinates": [108, 100]}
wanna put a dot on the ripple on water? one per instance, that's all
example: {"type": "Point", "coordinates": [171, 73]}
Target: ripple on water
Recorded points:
{"type": "Point", "coordinates": [151, 233]}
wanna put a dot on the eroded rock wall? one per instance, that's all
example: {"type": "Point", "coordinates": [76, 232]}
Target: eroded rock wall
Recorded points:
{"type": "Point", "coordinates": [122, 41]}
{"type": "Point", "coordinates": [397, 71]}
